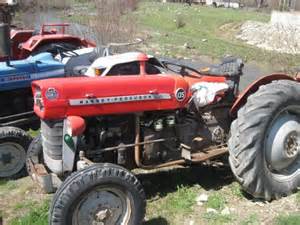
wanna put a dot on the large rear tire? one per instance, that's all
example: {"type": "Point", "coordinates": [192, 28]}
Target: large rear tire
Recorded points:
{"type": "Point", "coordinates": [13, 146]}
{"type": "Point", "coordinates": [264, 145]}
{"type": "Point", "coordinates": [100, 194]}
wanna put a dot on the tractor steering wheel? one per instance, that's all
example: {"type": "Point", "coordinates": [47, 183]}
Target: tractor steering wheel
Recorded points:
{"type": "Point", "coordinates": [182, 69]}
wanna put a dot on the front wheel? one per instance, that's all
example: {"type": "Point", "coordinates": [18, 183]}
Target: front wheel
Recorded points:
{"type": "Point", "coordinates": [13, 146]}
{"type": "Point", "coordinates": [264, 145]}
{"type": "Point", "coordinates": [104, 194]}
{"type": "Point", "coordinates": [34, 153]}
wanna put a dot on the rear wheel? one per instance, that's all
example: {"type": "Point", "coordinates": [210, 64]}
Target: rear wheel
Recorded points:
{"type": "Point", "coordinates": [265, 141]}
{"type": "Point", "coordinates": [13, 146]}
{"type": "Point", "coordinates": [104, 194]}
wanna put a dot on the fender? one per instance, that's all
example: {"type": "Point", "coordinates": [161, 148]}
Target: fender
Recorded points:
{"type": "Point", "coordinates": [241, 100]}
{"type": "Point", "coordinates": [18, 37]}
{"type": "Point", "coordinates": [39, 40]}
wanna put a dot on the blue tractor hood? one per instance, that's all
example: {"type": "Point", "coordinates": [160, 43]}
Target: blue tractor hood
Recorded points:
{"type": "Point", "coordinates": [20, 73]}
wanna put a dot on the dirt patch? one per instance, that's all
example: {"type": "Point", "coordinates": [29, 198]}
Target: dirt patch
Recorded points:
{"type": "Point", "coordinates": [229, 30]}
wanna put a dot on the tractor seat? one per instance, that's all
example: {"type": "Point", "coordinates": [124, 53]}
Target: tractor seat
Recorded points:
{"type": "Point", "coordinates": [230, 66]}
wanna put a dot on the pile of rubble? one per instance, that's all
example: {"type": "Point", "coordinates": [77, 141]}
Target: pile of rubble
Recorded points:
{"type": "Point", "coordinates": [280, 37]}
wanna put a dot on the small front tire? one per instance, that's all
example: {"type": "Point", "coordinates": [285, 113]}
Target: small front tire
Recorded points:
{"type": "Point", "coordinates": [100, 194]}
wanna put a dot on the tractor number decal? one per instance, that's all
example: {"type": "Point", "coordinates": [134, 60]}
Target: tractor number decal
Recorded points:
{"type": "Point", "coordinates": [33, 76]}
{"type": "Point", "coordinates": [180, 94]}
{"type": "Point", "coordinates": [13, 78]}
{"type": "Point", "coordinates": [119, 99]}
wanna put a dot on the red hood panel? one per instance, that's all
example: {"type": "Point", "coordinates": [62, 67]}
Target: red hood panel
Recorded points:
{"type": "Point", "coordinates": [86, 96]}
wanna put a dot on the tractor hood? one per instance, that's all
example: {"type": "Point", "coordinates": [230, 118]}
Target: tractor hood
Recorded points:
{"type": "Point", "coordinates": [20, 73]}
{"type": "Point", "coordinates": [86, 96]}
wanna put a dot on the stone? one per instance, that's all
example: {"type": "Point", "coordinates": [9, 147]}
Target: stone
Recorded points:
{"type": "Point", "coordinates": [202, 198]}
{"type": "Point", "coordinates": [186, 45]}
{"type": "Point", "coordinates": [271, 36]}
{"type": "Point", "coordinates": [225, 211]}
{"type": "Point", "coordinates": [211, 210]}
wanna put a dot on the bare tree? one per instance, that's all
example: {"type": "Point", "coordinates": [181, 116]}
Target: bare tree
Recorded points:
{"type": "Point", "coordinates": [260, 3]}
{"type": "Point", "coordinates": [112, 22]}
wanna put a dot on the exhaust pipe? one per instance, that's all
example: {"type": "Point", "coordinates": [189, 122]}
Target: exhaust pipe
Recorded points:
{"type": "Point", "coordinates": [5, 47]}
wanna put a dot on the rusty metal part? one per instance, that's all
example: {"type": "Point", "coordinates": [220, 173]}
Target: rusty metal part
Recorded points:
{"type": "Point", "coordinates": [82, 157]}
{"type": "Point", "coordinates": [48, 182]}
{"type": "Point", "coordinates": [41, 176]}
{"type": "Point", "coordinates": [204, 155]}
{"type": "Point", "coordinates": [195, 158]}
{"type": "Point", "coordinates": [137, 151]}
{"type": "Point", "coordinates": [130, 145]}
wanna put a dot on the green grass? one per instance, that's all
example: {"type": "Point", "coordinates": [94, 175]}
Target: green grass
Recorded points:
{"type": "Point", "coordinates": [25, 205]}
{"type": "Point", "coordinates": [33, 133]}
{"type": "Point", "coordinates": [236, 190]}
{"type": "Point", "coordinates": [216, 218]}
{"type": "Point", "coordinates": [37, 215]}
{"type": "Point", "coordinates": [216, 201]}
{"type": "Point", "coordinates": [7, 185]}
{"type": "Point", "coordinates": [293, 219]}
{"type": "Point", "coordinates": [173, 206]}
{"type": "Point", "coordinates": [250, 220]}
{"type": "Point", "coordinates": [181, 201]}
{"type": "Point", "coordinates": [202, 23]}
{"type": "Point", "coordinates": [217, 26]}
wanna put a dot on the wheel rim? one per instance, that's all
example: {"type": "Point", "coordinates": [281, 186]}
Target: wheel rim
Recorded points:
{"type": "Point", "coordinates": [12, 159]}
{"type": "Point", "coordinates": [282, 143]}
{"type": "Point", "coordinates": [103, 206]}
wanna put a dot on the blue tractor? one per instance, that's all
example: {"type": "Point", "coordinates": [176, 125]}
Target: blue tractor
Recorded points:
{"type": "Point", "coordinates": [16, 108]}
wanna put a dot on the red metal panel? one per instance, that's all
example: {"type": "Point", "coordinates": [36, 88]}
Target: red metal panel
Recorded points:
{"type": "Point", "coordinates": [241, 100]}
{"type": "Point", "coordinates": [39, 40]}
{"type": "Point", "coordinates": [105, 87]}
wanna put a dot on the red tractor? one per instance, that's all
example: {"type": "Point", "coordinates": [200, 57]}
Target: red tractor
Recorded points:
{"type": "Point", "coordinates": [150, 114]}
{"type": "Point", "coordinates": [51, 38]}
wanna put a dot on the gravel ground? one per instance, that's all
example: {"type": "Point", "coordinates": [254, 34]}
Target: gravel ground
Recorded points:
{"type": "Point", "coordinates": [275, 37]}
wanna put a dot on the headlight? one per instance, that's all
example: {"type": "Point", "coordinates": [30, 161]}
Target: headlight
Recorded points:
{"type": "Point", "coordinates": [98, 71]}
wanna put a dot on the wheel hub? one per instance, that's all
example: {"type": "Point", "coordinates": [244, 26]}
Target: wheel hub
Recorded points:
{"type": "Point", "coordinates": [291, 146]}
{"type": "Point", "coordinates": [6, 158]}
{"type": "Point", "coordinates": [102, 207]}
{"type": "Point", "coordinates": [283, 144]}
{"type": "Point", "coordinates": [12, 158]}
{"type": "Point", "coordinates": [101, 215]}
